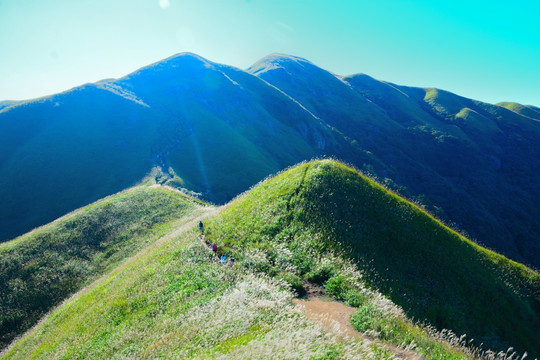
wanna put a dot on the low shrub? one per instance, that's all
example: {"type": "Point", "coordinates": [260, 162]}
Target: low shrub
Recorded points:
{"type": "Point", "coordinates": [320, 274]}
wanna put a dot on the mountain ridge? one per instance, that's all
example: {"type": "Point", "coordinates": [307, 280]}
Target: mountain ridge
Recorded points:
{"type": "Point", "coordinates": [40, 269]}
{"type": "Point", "coordinates": [397, 247]}
{"type": "Point", "coordinates": [216, 130]}
{"type": "Point", "coordinates": [319, 223]}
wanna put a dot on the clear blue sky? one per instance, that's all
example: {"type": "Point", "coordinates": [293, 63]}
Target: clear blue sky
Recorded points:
{"type": "Point", "coordinates": [486, 50]}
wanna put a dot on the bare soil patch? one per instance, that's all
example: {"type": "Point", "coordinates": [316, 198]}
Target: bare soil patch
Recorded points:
{"type": "Point", "coordinates": [335, 317]}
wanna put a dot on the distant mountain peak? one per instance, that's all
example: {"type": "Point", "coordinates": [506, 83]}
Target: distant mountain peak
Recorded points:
{"type": "Point", "coordinates": [187, 56]}
{"type": "Point", "coordinates": [275, 61]}
{"type": "Point", "coordinates": [186, 61]}
{"type": "Point", "coordinates": [284, 57]}
{"type": "Point", "coordinates": [529, 111]}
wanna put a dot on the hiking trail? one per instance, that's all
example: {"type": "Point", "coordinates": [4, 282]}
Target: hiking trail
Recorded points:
{"type": "Point", "coordinates": [335, 316]}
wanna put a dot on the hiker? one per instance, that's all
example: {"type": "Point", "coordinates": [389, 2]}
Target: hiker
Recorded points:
{"type": "Point", "coordinates": [201, 227]}
{"type": "Point", "coordinates": [223, 259]}
{"type": "Point", "coordinates": [231, 261]}
{"type": "Point", "coordinates": [214, 247]}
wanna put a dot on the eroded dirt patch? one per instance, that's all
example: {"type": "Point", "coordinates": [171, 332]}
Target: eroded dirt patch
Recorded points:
{"type": "Point", "coordinates": [335, 317]}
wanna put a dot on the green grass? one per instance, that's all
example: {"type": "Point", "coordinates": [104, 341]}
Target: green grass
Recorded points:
{"type": "Point", "coordinates": [42, 268]}
{"type": "Point", "coordinates": [222, 129]}
{"type": "Point", "coordinates": [321, 222]}
{"type": "Point", "coordinates": [526, 110]}
{"type": "Point", "coordinates": [176, 301]}
{"type": "Point", "coordinates": [433, 273]}
{"type": "Point", "coordinates": [515, 107]}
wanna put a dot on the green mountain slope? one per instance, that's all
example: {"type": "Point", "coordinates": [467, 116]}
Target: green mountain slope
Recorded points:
{"type": "Point", "coordinates": [217, 130]}
{"type": "Point", "coordinates": [42, 268]}
{"type": "Point", "coordinates": [467, 161]}
{"type": "Point", "coordinates": [174, 300]}
{"type": "Point", "coordinates": [432, 272]}
{"type": "Point", "coordinates": [526, 110]}
{"type": "Point", "coordinates": [319, 222]}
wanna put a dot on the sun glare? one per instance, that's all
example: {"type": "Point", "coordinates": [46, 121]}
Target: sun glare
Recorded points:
{"type": "Point", "coordinates": [164, 4]}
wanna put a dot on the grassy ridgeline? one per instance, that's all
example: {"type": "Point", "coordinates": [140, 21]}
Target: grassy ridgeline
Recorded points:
{"type": "Point", "coordinates": [308, 223]}
{"type": "Point", "coordinates": [40, 269]}
{"type": "Point", "coordinates": [177, 302]}
{"type": "Point", "coordinates": [435, 274]}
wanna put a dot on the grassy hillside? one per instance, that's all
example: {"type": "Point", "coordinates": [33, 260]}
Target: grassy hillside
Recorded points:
{"type": "Point", "coordinates": [319, 222]}
{"type": "Point", "coordinates": [467, 161]}
{"type": "Point", "coordinates": [432, 272]}
{"type": "Point", "coordinates": [40, 269]}
{"type": "Point", "coordinates": [527, 110]}
{"type": "Point", "coordinates": [174, 300]}
{"type": "Point", "coordinates": [217, 130]}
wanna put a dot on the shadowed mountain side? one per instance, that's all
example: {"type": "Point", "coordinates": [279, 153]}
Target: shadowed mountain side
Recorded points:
{"type": "Point", "coordinates": [435, 274]}
{"type": "Point", "coordinates": [483, 151]}
{"type": "Point", "coordinates": [465, 160]}
{"type": "Point", "coordinates": [213, 129]}
{"type": "Point", "coordinates": [66, 151]}
{"type": "Point", "coordinates": [240, 128]}
{"type": "Point", "coordinates": [324, 94]}
{"type": "Point", "coordinates": [526, 110]}
{"type": "Point", "coordinates": [216, 130]}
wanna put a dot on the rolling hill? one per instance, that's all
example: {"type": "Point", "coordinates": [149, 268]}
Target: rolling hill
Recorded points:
{"type": "Point", "coordinates": [42, 268]}
{"type": "Point", "coordinates": [432, 272]}
{"type": "Point", "coordinates": [467, 161]}
{"type": "Point", "coordinates": [216, 130]}
{"type": "Point", "coordinates": [317, 223]}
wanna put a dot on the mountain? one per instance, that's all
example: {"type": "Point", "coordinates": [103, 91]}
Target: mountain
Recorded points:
{"type": "Point", "coordinates": [216, 126]}
{"type": "Point", "coordinates": [526, 110]}
{"type": "Point", "coordinates": [319, 222]}
{"type": "Point", "coordinates": [429, 270]}
{"type": "Point", "coordinates": [41, 269]}
{"type": "Point", "coordinates": [217, 130]}
{"type": "Point", "coordinates": [471, 161]}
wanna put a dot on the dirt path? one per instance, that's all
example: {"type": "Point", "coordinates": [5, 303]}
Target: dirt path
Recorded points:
{"type": "Point", "coordinates": [335, 317]}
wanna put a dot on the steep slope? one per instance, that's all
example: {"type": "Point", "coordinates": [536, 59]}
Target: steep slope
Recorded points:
{"type": "Point", "coordinates": [526, 110]}
{"type": "Point", "coordinates": [324, 94]}
{"type": "Point", "coordinates": [63, 152]}
{"type": "Point", "coordinates": [174, 299]}
{"type": "Point", "coordinates": [493, 170]}
{"type": "Point", "coordinates": [220, 129]}
{"type": "Point", "coordinates": [433, 273]}
{"type": "Point", "coordinates": [467, 161]}
{"type": "Point", "coordinates": [216, 130]}
{"type": "Point", "coordinates": [230, 124]}
{"type": "Point", "coordinates": [42, 268]}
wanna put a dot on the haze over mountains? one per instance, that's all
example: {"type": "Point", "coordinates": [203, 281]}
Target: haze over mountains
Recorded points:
{"type": "Point", "coordinates": [217, 130]}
